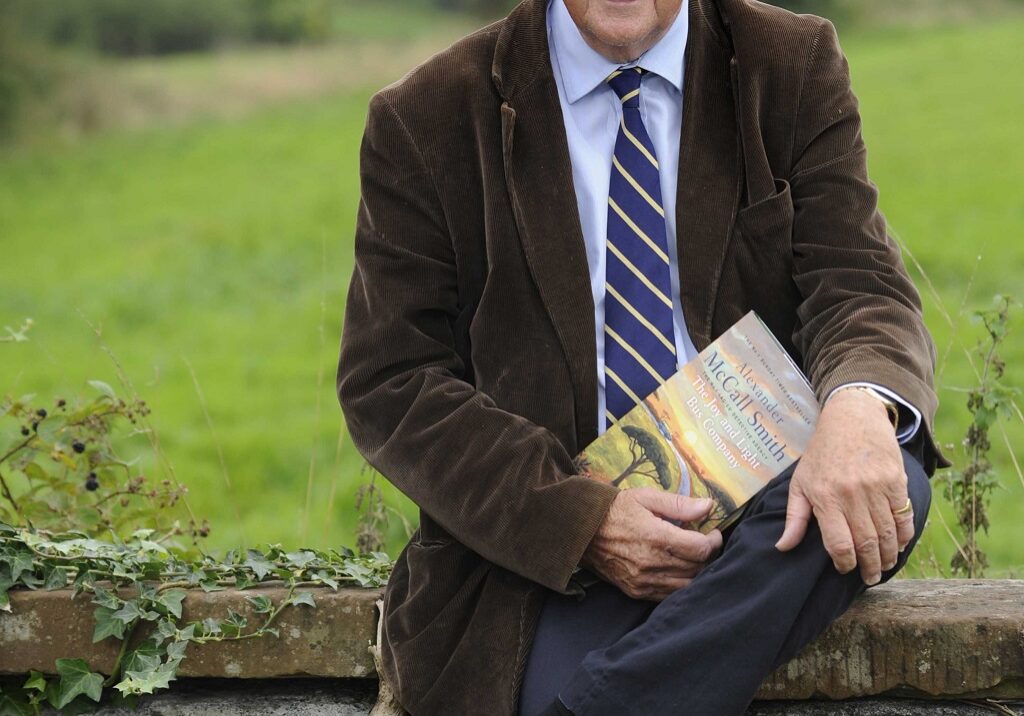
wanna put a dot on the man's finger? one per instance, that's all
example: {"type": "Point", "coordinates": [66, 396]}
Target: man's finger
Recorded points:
{"type": "Point", "coordinates": [865, 541]}
{"type": "Point", "coordinates": [671, 505]}
{"type": "Point", "coordinates": [885, 528]}
{"type": "Point", "coordinates": [798, 514]}
{"type": "Point", "coordinates": [684, 544]}
{"type": "Point", "coordinates": [904, 529]}
{"type": "Point", "coordinates": [663, 588]}
{"type": "Point", "coordinates": [904, 521]}
{"type": "Point", "coordinates": [835, 534]}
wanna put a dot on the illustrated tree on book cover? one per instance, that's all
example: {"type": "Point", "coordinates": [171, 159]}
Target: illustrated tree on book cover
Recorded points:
{"type": "Point", "coordinates": [649, 458]}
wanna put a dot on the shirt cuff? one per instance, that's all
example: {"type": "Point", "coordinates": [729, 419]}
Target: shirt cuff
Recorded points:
{"type": "Point", "coordinates": [910, 417]}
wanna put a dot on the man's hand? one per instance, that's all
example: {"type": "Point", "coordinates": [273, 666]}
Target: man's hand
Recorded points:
{"type": "Point", "coordinates": [642, 554]}
{"type": "Point", "coordinates": [851, 477]}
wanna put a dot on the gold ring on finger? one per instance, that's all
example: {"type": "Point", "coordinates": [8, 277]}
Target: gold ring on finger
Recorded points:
{"type": "Point", "coordinates": [909, 507]}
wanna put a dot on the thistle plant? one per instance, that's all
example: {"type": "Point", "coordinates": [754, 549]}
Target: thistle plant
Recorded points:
{"type": "Point", "coordinates": [970, 489]}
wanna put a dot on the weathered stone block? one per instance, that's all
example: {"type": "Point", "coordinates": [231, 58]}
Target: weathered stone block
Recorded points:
{"type": "Point", "coordinates": [331, 639]}
{"type": "Point", "coordinates": [935, 637]}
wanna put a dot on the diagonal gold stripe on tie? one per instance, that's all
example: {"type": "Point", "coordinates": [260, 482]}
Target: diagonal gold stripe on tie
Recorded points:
{"type": "Point", "coordinates": [618, 381]}
{"type": "Point", "coordinates": [639, 274]}
{"type": "Point", "coordinates": [608, 414]}
{"type": "Point", "coordinates": [629, 95]}
{"type": "Point", "coordinates": [632, 351]}
{"type": "Point", "coordinates": [638, 144]}
{"type": "Point", "coordinates": [639, 189]}
{"type": "Point", "coordinates": [639, 232]}
{"type": "Point", "coordinates": [613, 75]}
{"type": "Point", "coordinates": [637, 315]}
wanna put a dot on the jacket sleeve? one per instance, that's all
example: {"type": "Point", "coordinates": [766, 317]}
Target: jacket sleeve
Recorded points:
{"type": "Point", "coordinates": [860, 318]}
{"type": "Point", "coordinates": [500, 484]}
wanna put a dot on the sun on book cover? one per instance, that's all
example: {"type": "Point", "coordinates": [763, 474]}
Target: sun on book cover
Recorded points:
{"type": "Point", "coordinates": [723, 426]}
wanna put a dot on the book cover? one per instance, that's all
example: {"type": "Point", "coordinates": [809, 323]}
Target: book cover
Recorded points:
{"type": "Point", "coordinates": [723, 426]}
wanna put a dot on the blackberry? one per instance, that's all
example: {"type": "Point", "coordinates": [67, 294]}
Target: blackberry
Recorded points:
{"type": "Point", "coordinates": [41, 413]}
{"type": "Point", "coordinates": [25, 431]}
{"type": "Point", "coordinates": [92, 484]}
{"type": "Point", "coordinates": [78, 446]}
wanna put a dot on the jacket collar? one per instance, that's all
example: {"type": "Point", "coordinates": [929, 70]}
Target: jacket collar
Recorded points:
{"type": "Point", "coordinates": [539, 177]}
{"type": "Point", "coordinates": [583, 68]}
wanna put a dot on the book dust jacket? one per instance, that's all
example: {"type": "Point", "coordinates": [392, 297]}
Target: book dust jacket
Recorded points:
{"type": "Point", "coordinates": [723, 426]}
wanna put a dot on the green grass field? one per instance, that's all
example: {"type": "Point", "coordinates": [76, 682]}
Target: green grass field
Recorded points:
{"type": "Point", "coordinates": [227, 246]}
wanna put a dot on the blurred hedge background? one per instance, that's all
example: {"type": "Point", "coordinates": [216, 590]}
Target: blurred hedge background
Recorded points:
{"type": "Point", "coordinates": [182, 176]}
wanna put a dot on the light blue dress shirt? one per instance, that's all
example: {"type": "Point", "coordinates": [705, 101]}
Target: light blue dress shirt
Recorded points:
{"type": "Point", "coordinates": [591, 113]}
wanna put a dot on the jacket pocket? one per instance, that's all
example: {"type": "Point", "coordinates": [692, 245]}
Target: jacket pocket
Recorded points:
{"type": "Point", "coordinates": [760, 263]}
{"type": "Point", "coordinates": [769, 219]}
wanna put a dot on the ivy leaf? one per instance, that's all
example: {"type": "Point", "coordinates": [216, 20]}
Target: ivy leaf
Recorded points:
{"type": "Point", "coordinates": [9, 706]}
{"type": "Point", "coordinates": [165, 629]}
{"type": "Point", "coordinates": [176, 649]}
{"type": "Point", "coordinates": [258, 564]}
{"type": "Point", "coordinates": [133, 611]}
{"type": "Point", "coordinates": [171, 600]}
{"type": "Point", "coordinates": [129, 613]}
{"type": "Point", "coordinates": [76, 678]}
{"type": "Point", "coordinates": [234, 623]}
{"type": "Point", "coordinates": [301, 558]}
{"type": "Point", "coordinates": [21, 562]}
{"type": "Point", "coordinates": [146, 682]}
{"type": "Point", "coordinates": [35, 681]}
{"type": "Point", "coordinates": [243, 581]}
{"type": "Point", "coordinates": [103, 388]}
{"type": "Point", "coordinates": [210, 585]}
{"type": "Point", "coordinates": [303, 598]}
{"type": "Point", "coordinates": [149, 545]}
{"type": "Point", "coordinates": [143, 658]}
{"type": "Point", "coordinates": [260, 604]}
{"type": "Point", "coordinates": [107, 625]}
{"type": "Point", "coordinates": [105, 598]}
{"type": "Point", "coordinates": [55, 578]}
{"type": "Point", "coordinates": [5, 601]}
{"type": "Point", "coordinates": [322, 577]}
{"type": "Point", "coordinates": [211, 626]}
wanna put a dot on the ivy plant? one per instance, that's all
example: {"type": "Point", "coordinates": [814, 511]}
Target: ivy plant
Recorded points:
{"type": "Point", "coordinates": [138, 586]}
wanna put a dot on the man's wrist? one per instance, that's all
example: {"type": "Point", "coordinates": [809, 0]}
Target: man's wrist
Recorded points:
{"type": "Point", "coordinates": [892, 410]}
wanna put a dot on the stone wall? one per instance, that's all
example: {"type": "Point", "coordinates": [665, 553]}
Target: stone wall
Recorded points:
{"type": "Point", "coordinates": [941, 646]}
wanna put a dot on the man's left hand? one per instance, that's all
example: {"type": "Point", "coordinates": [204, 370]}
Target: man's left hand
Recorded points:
{"type": "Point", "coordinates": [851, 478]}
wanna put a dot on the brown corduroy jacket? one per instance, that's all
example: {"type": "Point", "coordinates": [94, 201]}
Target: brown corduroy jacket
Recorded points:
{"type": "Point", "coordinates": [468, 366]}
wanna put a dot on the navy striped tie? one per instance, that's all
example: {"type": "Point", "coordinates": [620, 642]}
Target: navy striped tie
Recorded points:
{"type": "Point", "coordinates": [639, 343]}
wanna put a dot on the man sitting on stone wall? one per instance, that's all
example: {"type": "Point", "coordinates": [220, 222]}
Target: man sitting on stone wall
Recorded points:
{"type": "Point", "coordinates": [556, 212]}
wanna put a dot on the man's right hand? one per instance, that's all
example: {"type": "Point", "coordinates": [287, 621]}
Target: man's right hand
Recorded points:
{"type": "Point", "coordinates": [643, 555]}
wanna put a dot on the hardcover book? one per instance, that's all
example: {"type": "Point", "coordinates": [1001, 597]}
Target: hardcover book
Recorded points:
{"type": "Point", "coordinates": [730, 420]}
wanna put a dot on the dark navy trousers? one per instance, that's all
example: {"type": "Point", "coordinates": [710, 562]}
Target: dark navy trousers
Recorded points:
{"type": "Point", "coordinates": [704, 650]}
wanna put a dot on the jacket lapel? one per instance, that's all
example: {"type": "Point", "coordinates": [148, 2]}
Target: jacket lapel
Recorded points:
{"type": "Point", "coordinates": [710, 173]}
{"type": "Point", "coordinates": [539, 177]}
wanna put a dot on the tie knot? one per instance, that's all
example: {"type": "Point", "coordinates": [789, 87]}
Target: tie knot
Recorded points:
{"type": "Point", "coordinates": [626, 83]}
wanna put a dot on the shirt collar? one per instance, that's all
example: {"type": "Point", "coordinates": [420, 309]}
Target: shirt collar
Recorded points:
{"type": "Point", "coordinates": [582, 68]}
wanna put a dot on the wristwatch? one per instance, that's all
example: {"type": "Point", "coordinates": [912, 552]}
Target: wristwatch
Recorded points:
{"type": "Point", "coordinates": [890, 406]}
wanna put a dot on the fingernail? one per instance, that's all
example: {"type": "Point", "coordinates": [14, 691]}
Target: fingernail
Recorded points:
{"type": "Point", "coordinates": [873, 579]}
{"type": "Point", "coordinates": [705, 503]}
{"type": "Point", "coordinates": [888, 565]}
